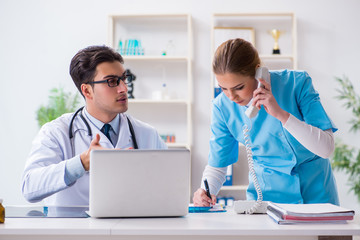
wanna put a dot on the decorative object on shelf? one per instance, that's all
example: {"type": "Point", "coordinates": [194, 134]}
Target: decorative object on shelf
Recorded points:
{"type": "Point", "coordinates": [345, 157]}
{"type": "Point", "coordinates": [130, 78]}
{"type": "Point", "coordinates": [168, 138]}
{"type": "Point", "coordinates": [164, 92]}
{"type": "Point", "coordinates": [130, 47]}
{"type": "Point", "coordinates": [170, 48]}
{"type": "Point", "coordinates": [60, 102]}
{"type": "Point", "coordinates": [222, 34]}
{"type": "Point", "coordinates": [156, 95]}
{"type": "Point", "coordinates": [221, 200]}
{"type": "Point", "coordinates": [225, 201]}
{"type": "Point", "coordinates": [275, 33]}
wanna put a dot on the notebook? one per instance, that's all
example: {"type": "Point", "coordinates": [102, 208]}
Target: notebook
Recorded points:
{"type": "Point", "coordinates": [309, 213]}
{"type": "Point", "coordinates": [139, 183]}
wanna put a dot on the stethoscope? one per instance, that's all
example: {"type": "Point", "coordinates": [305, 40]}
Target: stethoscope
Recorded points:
{"type": "Point", "coordinates": [71, 134]}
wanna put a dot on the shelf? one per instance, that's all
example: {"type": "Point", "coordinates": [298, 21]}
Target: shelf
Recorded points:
{"type": "Point", "coordinates": [258, 14]}
{"type": "Point", "coordinates": [154, 35]}
{"type": "Point", "coordinates": [234, 187]}
{"type": "Point", "coordinates": [153, 31]}
{"type": "Point", "coordinates": [155, 58]}
{"type": "Point", "coordinates": [253, 19]}
{"type": "Point", "coordinates": [140, 16]}
{"type": "Point", "coordinates": [177, 145]}
{"type": "Point", "coordinates": [151, 101]}
{"type": "Point", "coordinates": [261, 23]}
{"type": "Point", "coordinates": [289, 57]}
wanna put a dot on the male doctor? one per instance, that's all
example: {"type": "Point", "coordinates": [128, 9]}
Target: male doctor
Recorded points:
{"type": "Point", "coordinates": [57, 167]}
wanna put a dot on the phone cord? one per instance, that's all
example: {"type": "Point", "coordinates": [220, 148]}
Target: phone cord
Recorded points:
{"type": "Point", "coordinates": [252, 172]}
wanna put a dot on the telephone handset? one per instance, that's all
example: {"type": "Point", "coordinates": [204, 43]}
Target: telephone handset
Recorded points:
{"type": "Point", "coordinates": [261, 72]}
{"type": "Point", "coordinates": [258, 206]}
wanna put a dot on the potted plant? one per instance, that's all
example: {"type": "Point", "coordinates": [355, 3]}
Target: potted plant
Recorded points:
{"type": "Point", "coordinates": [347, 158]}
{"type": "Point", "coordinates": [60, 102]}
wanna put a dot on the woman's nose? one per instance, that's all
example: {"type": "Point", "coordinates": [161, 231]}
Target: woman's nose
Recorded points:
{"type": "Point", "coordinates": [232, 95]}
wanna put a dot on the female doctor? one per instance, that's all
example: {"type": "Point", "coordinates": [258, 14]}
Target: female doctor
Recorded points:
{"type": "Point", "coordinates": [291, 138]}
{"type": "Point", "coordinates": [57, 167]}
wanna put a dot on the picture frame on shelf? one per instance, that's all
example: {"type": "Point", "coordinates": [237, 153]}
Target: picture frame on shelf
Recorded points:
{"type": "Point", "coordinates": [222, 34]}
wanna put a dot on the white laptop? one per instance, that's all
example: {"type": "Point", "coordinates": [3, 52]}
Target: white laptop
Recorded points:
{"type": "Point", "coordinates": [139, 183]}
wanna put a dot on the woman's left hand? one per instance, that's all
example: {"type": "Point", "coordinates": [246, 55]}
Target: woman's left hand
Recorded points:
{"type": "Point", "coordinates": [263, 96]}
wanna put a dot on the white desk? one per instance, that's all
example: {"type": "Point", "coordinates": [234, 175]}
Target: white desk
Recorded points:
{"type": "Point", "coordinates": [202, 226]}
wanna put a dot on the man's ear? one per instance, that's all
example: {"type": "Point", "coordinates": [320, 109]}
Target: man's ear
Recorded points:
{"type": "Point", "coordinates": [87, 91]}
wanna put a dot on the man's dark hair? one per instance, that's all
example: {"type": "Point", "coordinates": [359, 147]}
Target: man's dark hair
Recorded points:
{"type": "Point", "coordinates": [83, 64]}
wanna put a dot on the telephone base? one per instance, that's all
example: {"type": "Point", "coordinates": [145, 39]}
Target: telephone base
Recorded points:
{"type": "Point", "coordinates": [241, 206]}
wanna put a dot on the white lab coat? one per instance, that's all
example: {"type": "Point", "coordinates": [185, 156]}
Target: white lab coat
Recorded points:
{"type": "Point", "coordinates": [44, 172]}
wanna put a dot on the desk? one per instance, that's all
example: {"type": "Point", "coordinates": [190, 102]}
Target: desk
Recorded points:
{"type": "Point", "coordinates": [204, 226]}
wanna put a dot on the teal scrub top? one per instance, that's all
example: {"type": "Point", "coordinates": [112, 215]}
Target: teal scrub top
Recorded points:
{"type": "Point", "coordinates": [287, 172]}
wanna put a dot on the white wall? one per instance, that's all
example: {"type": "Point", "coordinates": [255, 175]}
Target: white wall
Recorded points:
{"type": "Point", "coordinates": [38, 38]}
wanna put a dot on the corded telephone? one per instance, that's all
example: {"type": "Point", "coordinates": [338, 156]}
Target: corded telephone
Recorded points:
{"type": "Point", "coordinates": [261, 72]}
{"type": "Point", "coordinates": [258, 206]}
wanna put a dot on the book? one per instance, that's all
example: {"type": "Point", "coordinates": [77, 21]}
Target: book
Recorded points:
{"type": "Point", "coordinates": [217, 91]}
{"type": "Point", "coordinates": [215, 208]}
{"type": "Point", "coordinates": [229, 176]}
{"type": "Point", "coordinates": [308, 213]}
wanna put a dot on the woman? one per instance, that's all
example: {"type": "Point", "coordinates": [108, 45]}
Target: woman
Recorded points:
{"type": "Point", "coordinates": [291, 137]}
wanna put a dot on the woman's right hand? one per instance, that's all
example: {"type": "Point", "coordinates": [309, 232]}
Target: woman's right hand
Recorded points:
{"type": "Point", "coordinates": [200, 199]}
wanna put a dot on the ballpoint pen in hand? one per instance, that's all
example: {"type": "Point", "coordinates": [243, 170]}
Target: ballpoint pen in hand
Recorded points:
{"type": "Point", "coordinates": [207, 188]}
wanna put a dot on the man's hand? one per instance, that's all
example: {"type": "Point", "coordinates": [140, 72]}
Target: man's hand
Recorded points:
{"type": "Point", "coordinates": [85, 156]}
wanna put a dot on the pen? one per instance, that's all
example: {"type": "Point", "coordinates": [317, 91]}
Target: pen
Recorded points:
{"type": "Point", "coordinates": [207, 188]}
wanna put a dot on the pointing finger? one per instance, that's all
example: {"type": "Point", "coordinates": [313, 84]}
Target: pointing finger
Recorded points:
{"type": "Point", "coordinates": [96, 140]}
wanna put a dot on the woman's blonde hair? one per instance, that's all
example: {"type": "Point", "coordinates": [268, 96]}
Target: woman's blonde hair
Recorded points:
{"type": "Point", "coordinates": [236, 56]}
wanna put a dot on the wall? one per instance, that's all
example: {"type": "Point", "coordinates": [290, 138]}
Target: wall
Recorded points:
{"type": "Point", "coordinates": [39, 37]}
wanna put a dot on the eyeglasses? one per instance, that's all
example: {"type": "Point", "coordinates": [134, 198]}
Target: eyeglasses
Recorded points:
{"type": "Point", "coordinates": [114, 81]}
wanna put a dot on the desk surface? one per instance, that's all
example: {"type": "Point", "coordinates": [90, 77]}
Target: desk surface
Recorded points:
{"type": "Point", "coordinates": [194, 224]}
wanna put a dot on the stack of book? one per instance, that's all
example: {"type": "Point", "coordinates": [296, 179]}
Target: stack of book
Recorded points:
{"type": "Point", "coordinates": [308, 213]}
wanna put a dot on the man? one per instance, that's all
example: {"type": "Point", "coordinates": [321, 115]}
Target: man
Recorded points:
{"type": "Point", "coordinates": [58, 164]}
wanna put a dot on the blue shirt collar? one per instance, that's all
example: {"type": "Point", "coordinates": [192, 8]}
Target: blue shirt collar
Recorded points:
{"type": "Point", "coordinates": [115, 123]}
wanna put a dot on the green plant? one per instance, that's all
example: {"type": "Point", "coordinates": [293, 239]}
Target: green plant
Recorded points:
{"type": "Point", "coordinates": [347, 158]}
{"type": "Point", "coordinates": [60, 102]}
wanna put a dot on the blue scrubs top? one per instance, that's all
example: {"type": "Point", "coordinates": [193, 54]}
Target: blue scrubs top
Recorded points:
{"type": "Point", "coordinates": [287, 172]}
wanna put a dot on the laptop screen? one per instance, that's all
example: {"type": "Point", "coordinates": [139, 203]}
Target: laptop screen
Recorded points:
{"type": "Point", "coordinates": [139, 183]}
